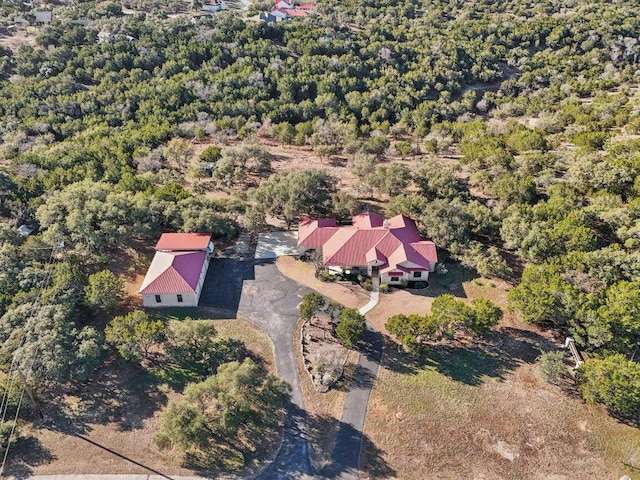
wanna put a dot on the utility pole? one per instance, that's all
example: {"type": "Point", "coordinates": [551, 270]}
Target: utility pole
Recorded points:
{"type": "Point", "coordinates": [36, 407]}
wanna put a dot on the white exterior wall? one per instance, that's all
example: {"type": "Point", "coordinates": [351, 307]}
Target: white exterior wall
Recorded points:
{"type": "Point", "coordinates": [386, 278]}
{"type": "Point", "coordinates": [170, 300]}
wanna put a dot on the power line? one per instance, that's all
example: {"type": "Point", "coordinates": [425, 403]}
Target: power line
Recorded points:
{"type": "Point", "coordinates": [14, 368]}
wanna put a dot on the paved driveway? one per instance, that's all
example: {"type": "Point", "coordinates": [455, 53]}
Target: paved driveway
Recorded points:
{"type": "Point", "coordinates": [275, 244]}
{"type": "Point", "coordinates": [255, 289]}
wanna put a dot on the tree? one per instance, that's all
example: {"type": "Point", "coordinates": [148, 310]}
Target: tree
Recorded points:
{"type": "Point", "coordinates": [134, 334]}
{"type": "Point", "coordinates": [408, 329]}
{"type": "Point", "coordinates": [211, 154]}
{"type": "Point", "coordinates": [351, 326]}
{"type": "Point", "coordinates": [254, 220]}
{"type": "Point", "coordinates": [447, 315]}
{"type": "Point", "coordinates": [543, 296]}
{"type": "Point", "coordinates": [50, 335]}
{"type": "Point", "coordinates": [621, 314]}
{"type": "Point", "coordinates": [221, 419]}
{"type": "Point", "coordinates": [285, 133]}
{"type": "Point", "coordinates": [344, 205]}
{"type": "Point", "coordinates": [292, 194]}
{"type": "Point", "coordinates": [311, 303]}
{"type": "Point", "coordinates": [179, 152]}
{"type": "Point", "coordinates": [104, 290]}
{"type": "Point", "coordinates": [612, 380]}
{"type": "Point", "coordinates": [438, 181]}
{"type": "Point", "coordinates": [91, 217]}
{"type": "Point", "coordinates": [193, 344]}
{"type": "Point", "coordinates": [551, 366]}
{"type": "Point", "coordinates": [392, 179]}
{"type": "Point", "coordinates": [404, 148]}
{"type": "Point", "coordinates": [484, 315]}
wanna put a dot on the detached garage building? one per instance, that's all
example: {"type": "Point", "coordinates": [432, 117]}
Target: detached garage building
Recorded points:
{"type": "Point", "coordinates": [178, 269]}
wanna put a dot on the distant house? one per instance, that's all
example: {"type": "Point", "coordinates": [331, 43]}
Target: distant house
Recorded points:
{"type": "Point", "coordinates": [214, 6]}
{"type": "Point", "coordinates": [286, 10]}
{"type": "Point", "coordinates": [43, 18]}
{"type": "Point", "coordinates": [176, 275]}
{"type": "Point", "coordinates": [372, 245]}
{"type": "Point", "coordinates": [21, 22]}
{"type": "Point", "coordinates": [25, 230]}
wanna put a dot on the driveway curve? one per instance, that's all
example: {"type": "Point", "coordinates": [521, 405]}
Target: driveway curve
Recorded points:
{"type": "Point", "coordinates": [270, 300]}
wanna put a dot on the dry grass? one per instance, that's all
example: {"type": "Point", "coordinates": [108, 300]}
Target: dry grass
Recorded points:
{"type": "Point", "coordinates": [115, 415]}
{"type": "Point", "coordinates": [345, 293]}
{"type": "Point", "coordinates": [476, 414]}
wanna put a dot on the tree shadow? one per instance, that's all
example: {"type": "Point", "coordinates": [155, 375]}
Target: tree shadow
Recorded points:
{"type": "Point", "coordinates": [470, 365]}
{"type": "Point", "coordinates": [499, 352]}
{"type": "Point", "coordinates": [26, 454]}
{"type": "Point", "coordinates": [396, 359]}
{"type": "Point", "coordinates": [119, 393]}
{"type": "Point", "coordinates": [340, 444]}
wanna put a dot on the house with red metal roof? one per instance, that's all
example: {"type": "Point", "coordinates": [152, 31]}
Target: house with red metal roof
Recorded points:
{"type": "Point", "coordinates": [286, 10]}
{"type": "Point", "coordinates": [176, 275]}
{"type": "Point", "coordinates": [371, 245]}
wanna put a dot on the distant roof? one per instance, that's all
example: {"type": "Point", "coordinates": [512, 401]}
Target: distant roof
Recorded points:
{"type": "Point", "coordinates": [25, 230]}
{"type": "Point", "coordinates": [44, 17]}
{"type": "Point", "coordinates": [173, 272]}
{"type": "Point", "coordinates": [183, 241]}
{"type": "Point", "coordinates": [294, 12]}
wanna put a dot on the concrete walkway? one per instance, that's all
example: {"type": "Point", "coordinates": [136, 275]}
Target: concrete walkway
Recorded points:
{"type": "Point", "coordinates": [374, 297]}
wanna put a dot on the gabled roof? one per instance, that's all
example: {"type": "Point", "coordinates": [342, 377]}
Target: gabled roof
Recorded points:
{"type": "Point", "coordinates": [183, 241]}
{"type": "Point", "coordinates": [173, 272]}
{"type": "Point", "coordinates": [294, 12]}
{"type": "Point", "coordinates": [44, 17]}
{"type": "Point", "coordinates": [375, 254]}
{"type": "Point", "coordinates": [314, 233]}
{"type": "Point", "coordinates": [349, 246]}
{"type": "Point", "coordinates": [368, 220]}
{"type": "Point", "coordinates": [393, 243]}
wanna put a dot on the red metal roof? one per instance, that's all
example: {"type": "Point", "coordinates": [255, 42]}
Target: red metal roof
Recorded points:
{"type": "Point", "coordinates": [294, 12]}
{"type": "Point", "coordinates": [314, 233]}
{"type": "Point", "coordinates": [368, 220]}
{"type": "Point", "coordinates": [183, 241]}
{"type": "Point", "coordinates": [395, 241]}
{"type": "Point", "coordinates": [173, 272]}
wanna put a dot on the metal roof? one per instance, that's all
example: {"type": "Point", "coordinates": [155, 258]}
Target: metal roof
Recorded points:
{"type": "Point", "coordinates": [183, 241]}
{"type": "Point", "coordinates": [173, 272]}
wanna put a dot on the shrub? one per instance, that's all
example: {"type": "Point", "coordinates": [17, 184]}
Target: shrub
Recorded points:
{"type": "Point", "coordinates": [551, 366]}
{"type": "Point", "coordinates": [384, 288]}
{"type": "Point", "coordinates": [351, 325]}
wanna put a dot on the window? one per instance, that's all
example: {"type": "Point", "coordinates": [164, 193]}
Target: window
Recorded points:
{"type": "Point", "coordinates": [179, 298]}
{"type": "Point", "coordinates": [417, 274]}
{"type": "Point", "coordinates": [158, 299]}
{"type": "Point", "coordinates": [395, 279]}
